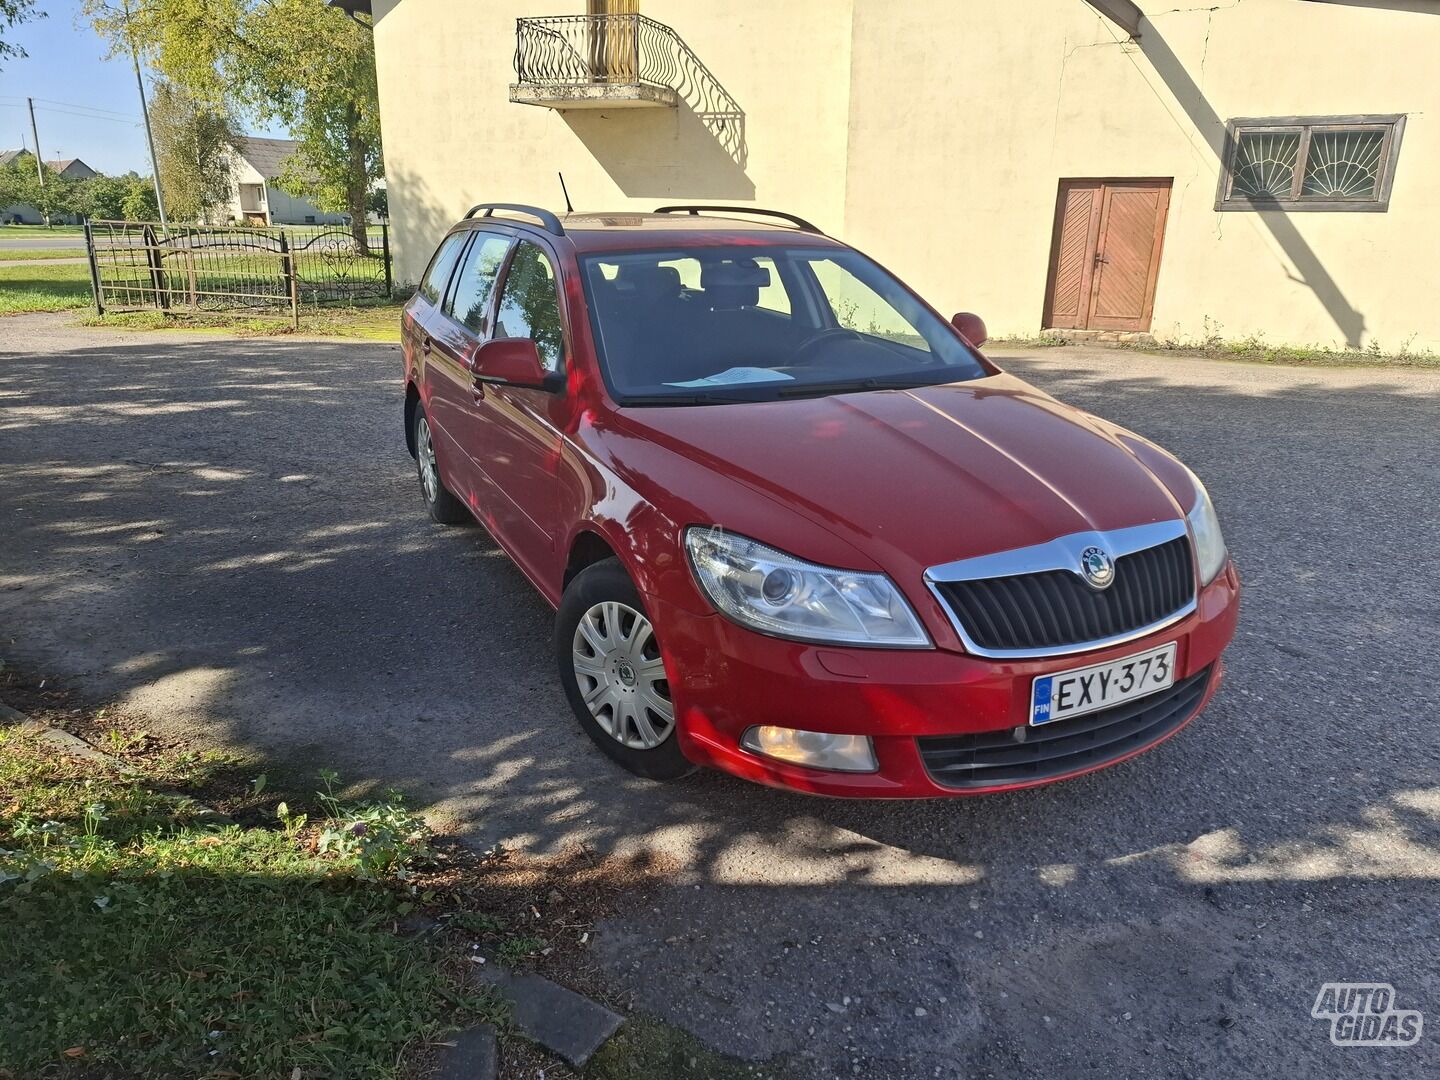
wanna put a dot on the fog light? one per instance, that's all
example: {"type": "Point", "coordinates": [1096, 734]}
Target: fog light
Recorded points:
{"type": "Point", "coordinates": [815, 749]}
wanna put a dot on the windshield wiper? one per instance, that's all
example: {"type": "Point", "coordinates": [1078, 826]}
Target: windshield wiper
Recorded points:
{"type": "Point", "coordinates": [689, 399]}
{"type": "Point", "coordinates": [874, 382]}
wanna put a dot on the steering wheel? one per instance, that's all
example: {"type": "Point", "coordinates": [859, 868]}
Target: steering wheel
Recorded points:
{"type": "Point", "coordinates": [821, 336]}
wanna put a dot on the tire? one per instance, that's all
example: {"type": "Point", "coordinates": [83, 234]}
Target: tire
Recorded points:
{"type": "Point", "coordinates": [607, 652]}
{"type": "Point", "coordinates": [443, 507]}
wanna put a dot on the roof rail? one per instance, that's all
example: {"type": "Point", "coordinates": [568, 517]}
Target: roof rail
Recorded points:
{"type": "Point", "coordinates": [695, 211]}
{"type": "Point", "coordinates": [549, 221]}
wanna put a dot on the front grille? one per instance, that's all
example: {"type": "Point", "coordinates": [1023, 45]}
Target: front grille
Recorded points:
{"type": "Point", "coordinates": [1056, 607]}
{"type": "Point", "coordinates": [1064, 746]}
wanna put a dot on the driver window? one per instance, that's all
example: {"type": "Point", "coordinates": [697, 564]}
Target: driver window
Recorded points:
{"type": "Point", "coordinates": [529, 306]}
{"type": "Point", "coordinates": [858, 307]}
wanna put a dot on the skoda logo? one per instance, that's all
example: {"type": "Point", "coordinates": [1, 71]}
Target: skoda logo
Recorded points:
{"type": "Point", "coordinates": [1097, 567]}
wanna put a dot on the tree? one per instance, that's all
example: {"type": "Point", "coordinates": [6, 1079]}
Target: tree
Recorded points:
{"type": "Point", "coordinates": [55, 198]}
{"type": "Point", "coordinates": [192, 142]}
{"type": "Point", "coordinates": [300, 63]}
{"type": "Point", "coordinates": [13, 13]}
{"type": "Point", "coordinates": [102, 197]}
{"type": "Point", "coordinates": [139, 202]}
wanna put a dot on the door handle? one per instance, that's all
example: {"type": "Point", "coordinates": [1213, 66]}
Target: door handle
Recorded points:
{"type": "Point", "coordinates": [425, 346]}
{"type": "Point", "coordinates": [1100, 259]}
{"type": "Point", "coordinates": [477, 390]}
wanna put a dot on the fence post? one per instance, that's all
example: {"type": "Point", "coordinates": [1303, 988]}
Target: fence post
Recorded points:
{"type": "Point", "coordinates": [94, 268]}
{"type": "Point", "coordinates": [157, 268]}
{"type": "Point", "coordinates": [385, 246]}
{"type": "Point", "coordinates": [292, 287]}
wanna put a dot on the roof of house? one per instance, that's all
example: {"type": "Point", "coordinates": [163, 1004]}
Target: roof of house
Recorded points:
{"type": "Point", "coordinates": [7, 156]}
{"type": "Point", "coordinates": [266, 156]}
{"type": "Point", "coordinates": [73, 167]}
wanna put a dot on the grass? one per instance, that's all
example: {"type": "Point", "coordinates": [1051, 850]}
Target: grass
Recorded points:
{"type": "Point", "coordinates": [373, 322]}
{"type": "Point", "coordinates": [41, 230]}
{"type": "Point", "coordinates": [145, 938]}
{"type": "Point", "coordinates": [29, 254]}
{"type": "Point", "coordinates": [56, 287]}
{"type": "Point", "coordinates": [1254, 350]}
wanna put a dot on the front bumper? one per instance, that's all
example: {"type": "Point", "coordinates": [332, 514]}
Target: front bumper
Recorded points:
{"type": "Point", "coordinates": [730, 678]}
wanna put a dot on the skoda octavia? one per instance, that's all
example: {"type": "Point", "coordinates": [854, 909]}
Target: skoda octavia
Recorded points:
{"type": "Point", "coordinates": [795, 524]}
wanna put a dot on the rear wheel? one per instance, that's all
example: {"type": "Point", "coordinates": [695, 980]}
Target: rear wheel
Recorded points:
{"type": "Point", "coordinates": [613, 674]}
{"type": "Point", "coordinates": [443, 506]}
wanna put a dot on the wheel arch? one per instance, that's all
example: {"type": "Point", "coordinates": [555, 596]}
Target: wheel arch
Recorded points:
{"type": "Point", "coordinates": [412, 402]}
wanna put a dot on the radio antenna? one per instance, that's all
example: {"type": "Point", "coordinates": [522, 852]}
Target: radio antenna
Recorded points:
{"type": "Point", "coordinates": [568, 208]}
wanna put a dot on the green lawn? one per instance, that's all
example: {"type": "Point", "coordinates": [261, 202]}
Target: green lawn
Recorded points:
{"type": "Point", "coordinates": [145, 938]}
{"type": "Point", "coordinates": [53, 287]}
{"type": "Point", "coordinates": [41, 230]}
{"type": "Point", "coordinates": [16, 254]}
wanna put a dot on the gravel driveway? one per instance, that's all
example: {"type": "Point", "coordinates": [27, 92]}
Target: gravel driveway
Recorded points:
{"type": "Point", "coordinates": [227, 534]}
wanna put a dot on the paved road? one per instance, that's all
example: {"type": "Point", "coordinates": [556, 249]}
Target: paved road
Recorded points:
{"type": "Point", "coordinates": [40, 240]}
{"type": "Point", "coordinates": [227, 535]}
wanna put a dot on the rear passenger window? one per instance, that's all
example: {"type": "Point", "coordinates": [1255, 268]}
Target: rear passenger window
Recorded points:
{"type": "Point", "coordinates": [475, 283]}
{"type": "Point", "coordinates": [529, 306]}
{"type": "Point", "coordinates": [433, 283]}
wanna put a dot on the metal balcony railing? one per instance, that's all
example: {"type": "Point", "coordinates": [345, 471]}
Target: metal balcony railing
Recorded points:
{"type": "Point", "coordinates": [597, 50]}
{"type": "Point", "coordinates": [561, 60]}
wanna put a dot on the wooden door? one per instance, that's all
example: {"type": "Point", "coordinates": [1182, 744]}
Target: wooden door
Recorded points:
{"type": "Point", "coordinates": [1105, 257]}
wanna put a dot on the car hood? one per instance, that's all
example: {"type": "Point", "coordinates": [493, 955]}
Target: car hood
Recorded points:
{"type": "Point", "coordinates": [915, 478]}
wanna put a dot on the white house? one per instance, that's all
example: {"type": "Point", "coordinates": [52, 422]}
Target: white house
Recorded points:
{"type": "Point", "coordinates": [255, 197]}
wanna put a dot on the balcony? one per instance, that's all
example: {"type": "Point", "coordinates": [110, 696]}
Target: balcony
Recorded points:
{"type": "Point", "coordinates": [598, 61]}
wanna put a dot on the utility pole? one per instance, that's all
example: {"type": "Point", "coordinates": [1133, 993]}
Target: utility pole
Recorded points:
{"type": "Point", "coordinates": [145, 112]}
{"type": "Point", "coordinates": [35, 135]}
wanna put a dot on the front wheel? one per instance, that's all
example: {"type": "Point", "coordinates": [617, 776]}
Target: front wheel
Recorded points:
{"type": "Point", "coordinates": [613, 674]}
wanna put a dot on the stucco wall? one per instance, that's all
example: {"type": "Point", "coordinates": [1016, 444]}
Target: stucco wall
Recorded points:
{"type": "Point", "coordinates": [1019, 102]}
{"type": "Point", "coordinates": [453, 138]}
{"type": "Point", "coordinates": [933, 134]}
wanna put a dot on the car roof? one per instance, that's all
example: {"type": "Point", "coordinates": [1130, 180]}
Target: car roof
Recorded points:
{"type": "Point", "coordinates": [591, 232]}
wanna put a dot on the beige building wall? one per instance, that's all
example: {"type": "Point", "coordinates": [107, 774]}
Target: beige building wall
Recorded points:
{"type": "Point", "coordinates": [933, 134]}
{"type": "Point", "coordinates": [453, 138]}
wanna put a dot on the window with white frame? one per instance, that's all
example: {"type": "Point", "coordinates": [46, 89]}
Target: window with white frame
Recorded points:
{"type": "Point", "coordinates": [1310, 163]}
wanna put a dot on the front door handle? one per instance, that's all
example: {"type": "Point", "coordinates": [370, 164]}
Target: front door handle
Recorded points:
{"type": "Point", "coordinates": [425, 346]}
{"type": "Point", "coordinates": [477, 391]}
{"type": "Point", "coordinates": [1100, 259]}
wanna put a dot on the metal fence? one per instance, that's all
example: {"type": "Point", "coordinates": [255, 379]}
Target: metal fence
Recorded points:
{"type": "Point", "coordinates": [136, 265]}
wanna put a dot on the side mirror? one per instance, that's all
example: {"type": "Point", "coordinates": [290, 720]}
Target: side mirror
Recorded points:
{"type": "Point", "coordinates": [971, 327]}
{"type": "Point", "coordinates": [514, 362]}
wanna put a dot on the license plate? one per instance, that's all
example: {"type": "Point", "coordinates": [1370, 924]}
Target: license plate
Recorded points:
{"type": "Point", "coordinates": [1074, 693]}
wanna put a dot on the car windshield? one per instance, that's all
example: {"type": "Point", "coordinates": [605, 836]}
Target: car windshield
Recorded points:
{"type": "Point", "coordinates": [746, 323]}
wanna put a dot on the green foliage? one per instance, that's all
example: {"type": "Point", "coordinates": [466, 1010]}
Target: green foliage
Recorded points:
{"type": "Point", "coordinates": [12, 14]}
{"type": "Point", "coordinates": [142, 941]}
{"type": "Point", "coordinates": [192, 144]}
{"type": "Point", "coordinates": [299, 63]}
{"type": "Point", "coordinates": [139, 203]}
{"type": "Point", "coordinates": [19, 183]}
{"type": "Point", "coordinates": [37, 286]}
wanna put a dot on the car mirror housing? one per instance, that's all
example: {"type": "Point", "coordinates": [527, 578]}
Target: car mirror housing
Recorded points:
{"type": "Point", "coordinates": [971, 327]}
{"type": "Point", "coordinates": [514, 362]}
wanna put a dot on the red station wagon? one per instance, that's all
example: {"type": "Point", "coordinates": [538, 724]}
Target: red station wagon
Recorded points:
{"type": "Point", "coordinates": [795, 524]}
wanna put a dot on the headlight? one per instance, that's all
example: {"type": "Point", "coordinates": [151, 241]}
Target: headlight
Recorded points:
{"type": "Point", "coordinates": [1205, 528]}
{"type": "Point", "coordinates": [779, 594]}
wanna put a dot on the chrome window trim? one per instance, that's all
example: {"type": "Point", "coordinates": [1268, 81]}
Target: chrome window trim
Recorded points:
{"type": "Point", "coordinates": [1062, 553]}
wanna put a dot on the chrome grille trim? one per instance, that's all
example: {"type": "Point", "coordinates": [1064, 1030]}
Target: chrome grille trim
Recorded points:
{"type": "Point", "coordinates": [1062, 553]}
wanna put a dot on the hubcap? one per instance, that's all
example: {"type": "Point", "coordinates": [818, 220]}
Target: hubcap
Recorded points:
{"type": "Point", "coordinates": [425, 458]}
{"type": "Point", "coordinates": [621, 675]}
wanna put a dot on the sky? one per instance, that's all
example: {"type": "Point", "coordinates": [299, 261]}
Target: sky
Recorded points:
{"type": "Point", "coordinates": [85, 106]}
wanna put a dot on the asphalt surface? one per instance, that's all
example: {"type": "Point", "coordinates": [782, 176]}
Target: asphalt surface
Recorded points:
{"type": "Point", "coordinates": [227, 536]}
{"type": "Point", "coordinates": [29, 240]}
